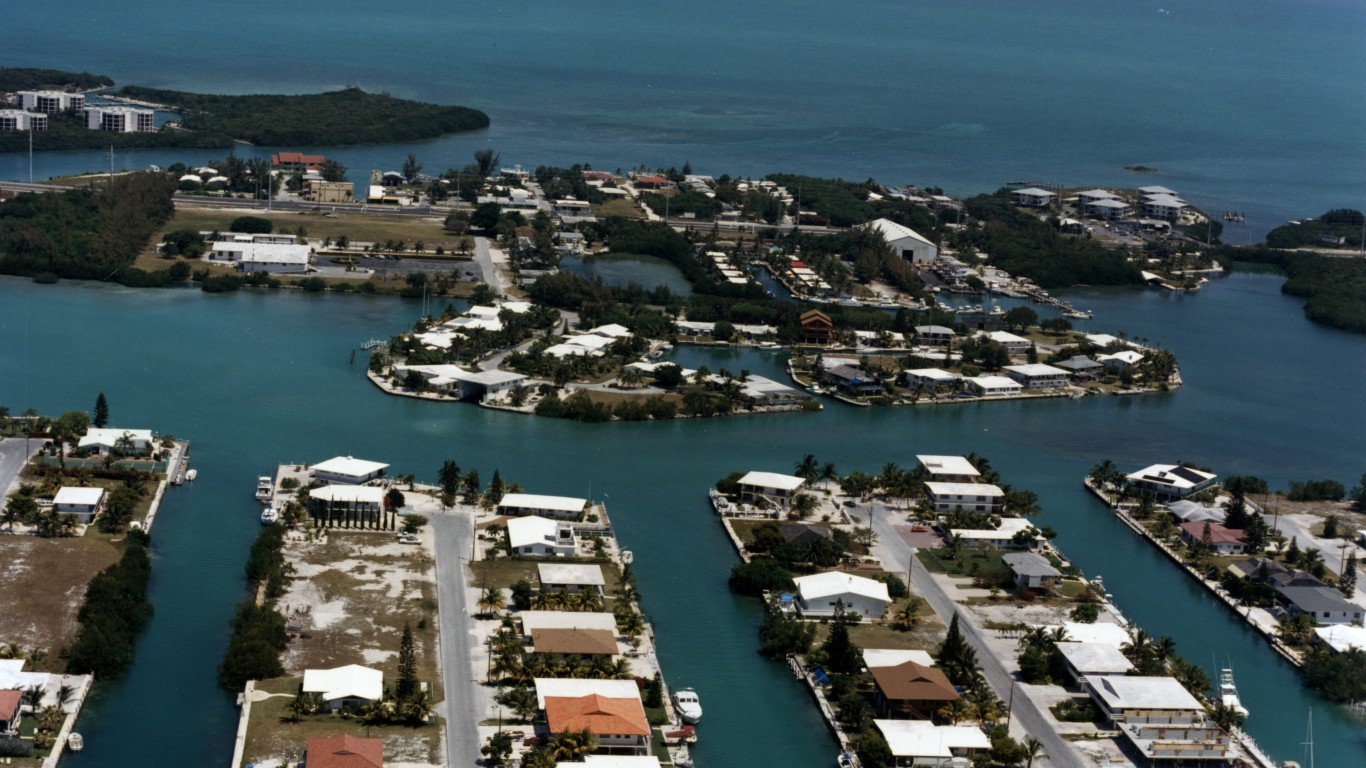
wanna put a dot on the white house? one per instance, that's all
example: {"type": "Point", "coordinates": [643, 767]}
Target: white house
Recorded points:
{"type": "Point", "coordinates": [351, 685]}
{"type": "Point", "coordinates": [571, 577]}
{"type": "Point", "coordinates": [558, 507]}
{"type": "Point", "coordinates": [1001, 537]}
{"type": "Point", "coordinates": [106, 439]}
{"type": "Point", "coordinates": [349, 470]}
{"type": "Point", "coordinates": [534, 535]}
{"type": "Point", "coordinates": [534, 620]}
{"type": "Point", "coordinates": [905, 242]}
{"type": "Point", "coordinates": [818, 594]}
{"type": "Point", "coordinates": [1166, 207]}
{"type": "Point", "coordinates": [916, 743]}
{"type": "Point", "coordinates": [1120, 360]}
{"type": "Point", "coordinates": [263, 257]}
{"type": "Point", "coordinates": [1086, 659]}
{"type": "Point", "coordinates": [993, 386]}
{"type": "Point", "coordinates": [929, 378]}
{"type": "Point", "coordinates": [1015, 345]}
{"type": "Point", "coordinates": [971, 497]}
{"type": "Point", "coordinates": [1150, 700]}
{"type": "Point", "coordinates": [1170, 481]}
{"type": "Point", "coordinates": [81, 503]}
{"type": "Point", "coordinates": [1107, 209]}
{"type": "Point", "coordinates": [934, 335]}
{"type": "Point", "coordinates": [338, 499]}
{"type": "Point", "coordinates": [1032, 197]}
{"type": "Point", "coordinates": [573, 688]}
{"type": "Point", "coordinates": [949, 469]}
{"type": "Point", "coordinates": [769, 486]}
{"type": "Point", "coordinates": [1092, 195]}
{"type": "Point", "coordinates": [51, 102]}
{"type": "Point", "coordinates": [120, 119]}
{"type": "Point", "coordinates": [1031, 570]}
{"type": "Point", "coordinates": [1038, 376]}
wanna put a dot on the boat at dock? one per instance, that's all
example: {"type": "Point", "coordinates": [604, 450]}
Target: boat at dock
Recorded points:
{"type": "Point", "coordinates": [75, 742]}
{"type": "Point", "coordinates": [688, 705]}
{"type": "Point", "coordinates": [270, 516]}
{"type": "Point", "coordinates": [191, 475]}
{"type": "Point", "coordinates": [1228, 692]}
{"type": "Point", "coordinates": [265, 488]}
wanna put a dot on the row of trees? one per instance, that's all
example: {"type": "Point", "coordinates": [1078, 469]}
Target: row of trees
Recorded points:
{"type": "Point", "coordinates": [113, 614]}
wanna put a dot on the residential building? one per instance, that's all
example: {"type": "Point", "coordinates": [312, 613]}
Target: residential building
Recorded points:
{"type": "Point", "coordinates": [1149, 700]}
{"type": "Point", "coordinates": [1121, 360]}
{"type": "Point", "coordinates": [105, 440]}
{"type": "Point", "coordinates": [1325, 604]}
{"type": "Point", "coordinates": [930, 378]}
{"type": "Point", "coordinates": [1092, 195]}
{"type": "Point", "coordinates": [1015, 345]}
{"type": "Point", "coordinates": [10, 711]}
{"type": "Point", "coordinates": [572, 687]}
{"type": "Point", "coordinates": [1106, 209]}
{"type": "Point", "coordinates": [535, 535]}
{"type": "Point", "coordinates": [1222, 540]}
{"type": "Point", "coordinates": [805, 533]}
{"type": "Point", "coordinates": [346, 503]}
{"type": "Point", "coordinates": [934, 336]}
{"type": "Point", "coordinates": [619, 724]}
{"type": "Point", "coordinates": [51, 102]}
{"type": "Point", "coordinates": [911, 691]}
{"type": "Point", "coordinates": [348, 470]}
{"type": "Point", "coordinates": [1038, 376]}
{"type": "Point", "coordinates": [481, 386]}
{"type": "Point", "coordinates": [1165, 207]}
{"type": "Point", "coordinates": [816, 328]}
{"type": "Point", "coordinates": [557, 507]}
{"type": "Point", "coordinates": [120, 119]}
{"type": "Point", "coordinates": [348, 686]}
{"type": "Point", "coordinates": [296, 161]}
{"type": "Point", "coordinates": [1170, 481]}
{"type": "Point", "coordinates": [1081, 368]}
{"type": "Point", "coordinates": [1342, 637]}
{"type": "Point", "coordinates": [1087, 659]}
{"type": "Point", "coordinates": [769, 487]}
{"type": "Point", "coordinates": [949, 469]}
{"type": "Point", "coordinates": [970, 497]}
{"type": "Point", "coordinates": [571, 577]}
{"type": "Point", "coordinates": [1003, 536]}
{"type": "Point", "coordinates": [1031, 571]}
{"type": "Point", "coordinates": [1156, 190]}
{"type": "Point", "coordinates": [538, 620]}
{"type": "Point", "coordinates": [345, 751]}
{"type": "Point", "coordinates": [891, 657]}
{"type": "Point", "coordinates": [853, 381]}
{"type": "Point", "coordinates": [19, 120]}
{"type": "Point", "coordinates": [573, 642]}
{"type": "Point", "coordinates": [330, 191]}
{"type": "Point", "coordinates": [917, 743]}
{"type": "Point", "coordinates": [572, 211]}
{"type": "Point", "coordinates": [1032, 197]}
{"type": "Point", "coordinates": [1180, 745]}
{"type": "Point", "coordinates": [80, 503]}
{"type": "Point", "coordinates": [613, 761]}
{"type": "Point", "coordinates": [993, 386]}
{"type": "Point", "coordinates": [820, 594]}
{"type": "Point", "coordinates": [905, 242]}
{"type": "Point", "coordinates": [1103, 632]}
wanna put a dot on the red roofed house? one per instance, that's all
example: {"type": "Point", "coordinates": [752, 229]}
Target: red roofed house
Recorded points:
{"type": "Point", "coordinates": [9, 710]}
{"type": "Point", "coordinates": [345, 751]}
{"type": "Point", "coordinates": [913, 691]}
{"type": "Point", "coordinates": [652, 182]}
{"type": "Point", "coordinates": [1225, 541]}
{"type": "Point", "coordinates": [619, 724]}
{"type": "Point", "coordinates": [296, 161]}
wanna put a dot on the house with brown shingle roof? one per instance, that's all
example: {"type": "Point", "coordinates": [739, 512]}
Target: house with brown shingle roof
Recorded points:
{"type": "Point", "coordinates": [817, 327]}
{"type": "Point", "coordinates": [573, 642]}
{"type": "Point", "coordinates": [912, 691]}
{"type": "Point", "coordinates": [345, 751]}
{"type": "Point", "coordinates": [620, 725]}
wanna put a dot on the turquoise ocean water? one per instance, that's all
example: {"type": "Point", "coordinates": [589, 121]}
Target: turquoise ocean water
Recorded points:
{"type": "Point", "coordinates": [1253, 105]}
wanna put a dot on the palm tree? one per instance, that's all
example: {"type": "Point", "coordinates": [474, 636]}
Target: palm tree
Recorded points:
{"type": "Point", "coordinates": [631, 624]}
{"type": "Point", "coordinates": [955, 711]}
{"type": "Point", "coordinates": [808, 468]}
{"type": "Point", "coordinates": [492, 600]}
{"type": "Point", "coordinates": [570, 746]}
{"type": "Point", "coordinates": [804, 505]}
{"type": "Point", "coordinates": [1033, 750]}
{"type": "Point", "coordinates": [908, 618]}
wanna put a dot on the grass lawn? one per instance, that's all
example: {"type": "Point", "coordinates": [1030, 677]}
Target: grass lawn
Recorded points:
{"type": "Point", "coordinates": [270, 734]}
{"type": "Point", "coordinates": [927, 637]}
{"type": "Point", "coordinates": [359, 227]}
{"type": "Point", "coordinates": [969, 562]}
{"type": "Point", "coordinates": [502, 572]}
{"type": "Point", "coordinates": [612, 398]}
{"type": "Point", "coordinates": [45, 581]}
{"type": "Point", "coordinates": [619, 207]}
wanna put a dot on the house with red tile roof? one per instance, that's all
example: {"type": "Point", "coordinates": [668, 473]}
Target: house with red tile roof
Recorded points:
{"type": "Point", "coordinates": [1224, 541]}
{"type": "Point", "coordinates": [345, 751]}
{"type": "Point", "coordinates": [619, 724]}
{"type": "Point", "coordinates": [9, 710]}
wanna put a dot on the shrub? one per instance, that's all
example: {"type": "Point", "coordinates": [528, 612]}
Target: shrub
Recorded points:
{"type": "Point", "coordinates": [251, 225]}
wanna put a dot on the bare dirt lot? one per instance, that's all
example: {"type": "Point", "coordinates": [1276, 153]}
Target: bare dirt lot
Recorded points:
{"type": "Point", "coordinates": [45, 581]}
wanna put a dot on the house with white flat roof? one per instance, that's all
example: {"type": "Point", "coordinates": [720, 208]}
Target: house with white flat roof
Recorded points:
{"type": "Point", "coordinates": [19, 120]}
{"type": "Point", "coordinates": [1092, 195]}
{"type": "Point", "coordinates": [818, 594]}
{"type": "Point", "coordinates": [106, 439]}
{"type": "Point", "coordinates": [1085, 659]}
{"type": "Point", "coordinates": [534, 620]}
{"type": "Point", "coordinates": [80, 503]}
{"type": "Point", "coordinates": [929, 378]}
{"type": "Point", "coordinates": [1015, 345]}
{"type": "Point", "coordinates": [535, 535]}
{"type": "Point", "coordinates": [1149, 700]}
{"type": "Point", "coordinates": [613, 761]}
{"type": "Point", "coordinates": [1342, 637]}
{"type": "Point", "coordinates": [557, 507]}
{"type": "Point", "coordinates": [1170, 481]}
{"type": "Point", "coordinates": [769, 486]}
{"type": "Point", "coordinates": [1099, 632]}
{"type": "Point", "coordinates": [571, 577]}
{"type": "Point", "coordinates": [892, 657]}
{"type": "Point", "coordinates": [1000, 537]}
{"type": "Point", "coordinates": [905, 242]}
{"type": "Point", "coordinates": [1107, 209]}
{"type": "Point", "coordinates": [1038, 376]}
{"type": "Point", "coordinates": [349, 470]}
{"type": "Point", "coordinates": [970, 497]}
{"type": "Point", "coordinates": [993, 386]}
{"type": "Point", "coordinates": [916, 743]}
{"type": "Point", "coordinates": [1163, 207]}
{"type": "Point", "coordinates": [949, 469]}
{"type": "Point", "coordinates": [1032, 197]}
{"type": "Point", "coordinates": [346, 504]}
{"type": "Point", "coordinates": [351, 685]}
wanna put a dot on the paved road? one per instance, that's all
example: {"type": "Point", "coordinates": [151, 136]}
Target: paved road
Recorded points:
{"type": "Point", "coordinates": [454, 534]}
{"type": "Point", "coordinates": [1333, 550]}
{"type": "Point", "coordinates": [897, 556]}
{"type": "Point", "coordinates": [13, 456]}
{"type": "Point", "coordinates": [493, 274]}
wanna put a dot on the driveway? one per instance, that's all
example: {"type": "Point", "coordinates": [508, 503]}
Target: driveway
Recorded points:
{"type": "Point", "coordinates": [14, 454]}
{"type": "Point", "coordinates": [492, 263]}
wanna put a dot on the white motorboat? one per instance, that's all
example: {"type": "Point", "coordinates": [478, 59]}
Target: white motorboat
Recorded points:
{"type": "Point", "coordinates": [74, 742]}
{"type": "Point", "coordinates": [688, 705]}
{"type": "Point", "coordinates": [1228, 692]}
{"type": "Point", "coordinates": [191, 475]}
{"type": "Point", "coordinates": [270, 516]}
{"type": "Point", "coordinates": [265, 488]}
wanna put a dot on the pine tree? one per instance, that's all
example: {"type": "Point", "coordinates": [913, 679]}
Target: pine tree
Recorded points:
{"type": "Point", "coordinates": [1347, 582]}
{"type": "Point", "coordinates": [495, 492]}
{"type": "Point", "coordinates": [472, 487]}
{"type": "Point", "coordinates": [101, 415]}
{"type": "Point", "coordinates": [1292, 554]}
{"type": "Point", "coordinates": [449, 476]}
{"type": "Point", "coordinates": [407, 686]}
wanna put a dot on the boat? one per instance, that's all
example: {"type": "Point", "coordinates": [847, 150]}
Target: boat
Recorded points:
{"type": "Point", "coordinates": [74, 742]}
{"type": "Point", "coordinates": [1228, 692]}
{"type": "Point", "coordinates": [270, 516]}
{"type": "Point", "coordinates": [688, 705]}
{"type": "Point", "coordinates": [845, 760]}
{"type": "Point", "coordinates": [1078, 314]}
{"type": "Point", "coordinates": [191, 475]}
{"type": "Point", "coordinates": [265, 488]}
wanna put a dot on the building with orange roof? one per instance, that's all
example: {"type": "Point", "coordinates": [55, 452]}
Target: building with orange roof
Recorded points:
{"type": "Point", "coordinates": [345, 751]}
{"type": "Point", "coordinates": [9, 710]}
{"type": "Point", "coordinates": [619, 724]}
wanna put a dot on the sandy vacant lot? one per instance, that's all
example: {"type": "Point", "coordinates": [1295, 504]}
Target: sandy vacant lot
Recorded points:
{"type": "Point", "coordinates": [45, 581]}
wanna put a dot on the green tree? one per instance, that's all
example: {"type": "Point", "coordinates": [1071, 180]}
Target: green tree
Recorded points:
{"type": "Point", "coordinates": [1020, 318]}
{"type": "Point", "coordinates": [499, 746]}
{"type": "Point", "coordinates": [842, 654]}
{"type": "Point", "coordinates": [1347, 581]}
{"type": "Point", "coordinates": [407, 685]}
{"type": "Point", "coordinates": [449, 477]}
{"type": "Point", "coordinates": [19, 509]}
{"type": "Point", "coordinates": [495, 491]}
{"type": "Point", "coordinates": [472, 487]}
{"type": "Point", "coordinates": [100, 417]}
{"type": "Point", "coordinates": [486, 161]}
{"type": "Point", "coordinates": [411, 168]}
{"type": "Point", "coordinates": [807, 468]}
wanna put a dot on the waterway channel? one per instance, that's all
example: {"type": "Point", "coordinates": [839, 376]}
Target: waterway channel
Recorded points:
{"type": "Point", "coordinates": [253, 379]}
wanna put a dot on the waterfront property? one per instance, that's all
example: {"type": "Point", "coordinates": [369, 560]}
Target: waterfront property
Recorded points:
{"type": "Point", "coordinates": [1323, 604]}
{"type": "Point", "coordinates": [533, 621]}
{"type": "Point", "coordinates": [971, 497]}
{"type": "Point", "coordinates": [350, 686]}
{"type": "Point", "coordinates": [618, 724]}
{"type": "Point", "coordinates": [1031, 571]}
{"type": "Point", "coordinates": [535, 535]}
{"type": "Point", "coordinates": [561, 643]}
{"type": "Point", "coordinates": [916, 743]}
{"type": "Point", "coordinates": [346, 505]}
{"type": "Point", "coordinates": [1081, 368]}
{"type": "Point", "coordinates": [1038, 376]}
{"type": "Point", "coordinates": [344, 751]}
{"type": "Point", "coordinates": [1011, 533]}
{"type": "Point", "coordinates": [557, 507]}
{"type": "Point", "coordinates": [51, 102]}
{"type": "Point", "coordinates": [19, 120]}
{"type": "Point", "coordinates": [949, 469]}
{"type": "Point", "coordinates": [905, 242]}
{"type": "Point", "coordinates": [993, 386]}
{"type": "Point", "coordinates": [573, 578]}
{"type": "Point", "coordinates": [348, 470]}
{"type": "Point", "coordinates": [1170, 481]}
{"type": "Point", "coordinates": [107, 440]}
{"type": "Point", "coordinates": [1149, 700]}
{"type": "Point", "coordinates": [263, 257]}
{"type": "Point", "coordinates": [81, 503]}
{"type": "Point", "coordinates": [120, 119]}
{"type": "Point", "coordinates": [911, 690]}
{"type": "Point", "coordinates": [1089, 659]}
{"type": "Point", "coordinates": [1220, 540]}
{"type": "Point", "coordinates": [769, 487]}
{"type": "Point", "coordinates": [821, 595]}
